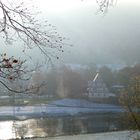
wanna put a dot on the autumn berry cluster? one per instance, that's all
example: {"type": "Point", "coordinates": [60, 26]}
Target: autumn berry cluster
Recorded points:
{"type": "Point", "coordinates": [10, 68]}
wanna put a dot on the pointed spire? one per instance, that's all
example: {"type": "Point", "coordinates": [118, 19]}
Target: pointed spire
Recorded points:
{"type": "Point", "coordinates": [96, 77]}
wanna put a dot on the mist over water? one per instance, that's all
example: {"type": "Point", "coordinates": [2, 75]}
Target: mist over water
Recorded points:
{"type": "Point", "coordinates": [92, 40]}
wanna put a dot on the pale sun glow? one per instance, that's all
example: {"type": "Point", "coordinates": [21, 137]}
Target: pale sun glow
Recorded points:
{"type": "Point", "coordinates": [64, 6]}
{"type": "Point", "coordinates": [59, 6]}
{"type": "Point", "coordinates": [6, 130]}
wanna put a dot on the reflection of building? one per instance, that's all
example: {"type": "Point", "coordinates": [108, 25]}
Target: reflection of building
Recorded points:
{"type": "Point", "coordinates": [97, 89]}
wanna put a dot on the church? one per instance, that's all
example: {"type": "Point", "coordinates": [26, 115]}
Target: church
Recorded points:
{"type": "Point", "coordinates": [97, 89]}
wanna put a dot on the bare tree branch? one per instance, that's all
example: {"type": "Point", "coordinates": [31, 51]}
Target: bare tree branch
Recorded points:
{"type": "Point", "coordinates": [20, 21]}
{"type": "Point", "coordinates": [17, 22]}
{"type": "Point", "coordinates": [105, 4]}
{"type": "Point", "coordinates": [11, 70]}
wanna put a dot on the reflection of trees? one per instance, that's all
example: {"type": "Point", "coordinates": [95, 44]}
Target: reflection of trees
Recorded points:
{"type": "Point", "coordinates": [28, 128]}
{"type": "Point", "coordinates": [20, 130]}
{"type": "Point", "coordinates": [59, 126]}
{"type": "Point", "coordinates": [74, 126]}
{"type": "Point", "coordinates": [50, 126]}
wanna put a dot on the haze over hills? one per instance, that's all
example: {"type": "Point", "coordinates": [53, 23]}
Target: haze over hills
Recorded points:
{"type": "Point", "coordinates": [112, 38]}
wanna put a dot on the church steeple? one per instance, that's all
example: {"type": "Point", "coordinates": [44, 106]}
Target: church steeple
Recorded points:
{"type": "Point", "coordinates": [96, 76]}
{"type": "Point", "coordinates": [97, 88]}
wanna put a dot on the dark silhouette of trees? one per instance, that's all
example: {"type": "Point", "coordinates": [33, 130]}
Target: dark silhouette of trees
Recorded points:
{"type": "Point", "coordinates": [107, 76]}
{"type": "Point", "coordinates": [130, 94]}
{"type": "Point", "coordinates": [75, 84]}
{"type": "Point", "coordinates": [130, 99]}
{"type": "Point", "coordinates": [52, 80]}
{"type": "Point", "coordinates": [124, 75]}
{"type": "Point", "coordinates": [66, 82]}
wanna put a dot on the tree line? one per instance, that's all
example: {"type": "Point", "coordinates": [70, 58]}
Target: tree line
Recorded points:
{"type": "Point", "coordinates": [68, 82]}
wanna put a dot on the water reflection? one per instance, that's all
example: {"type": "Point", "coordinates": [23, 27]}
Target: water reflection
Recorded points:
{"type": "Point", "coordinates": [46, 127]}
{"type": "Point", "coordinates": [28, 128]}
{"type": "Point", "coordinates": [6, 130]}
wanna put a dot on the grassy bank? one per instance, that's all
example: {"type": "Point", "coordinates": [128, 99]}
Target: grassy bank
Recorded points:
{"type": "Point", "coordinates": [10, 101]}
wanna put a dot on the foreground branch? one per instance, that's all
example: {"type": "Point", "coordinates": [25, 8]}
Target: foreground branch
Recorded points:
{"type": "Point", "coordinates": [19, 21]}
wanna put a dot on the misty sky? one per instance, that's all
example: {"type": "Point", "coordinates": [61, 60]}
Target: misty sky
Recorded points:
{"type": "Point", "coordinates": [98, 38]}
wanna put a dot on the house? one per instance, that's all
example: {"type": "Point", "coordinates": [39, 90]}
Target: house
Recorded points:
{"type": "Point", "coordinates": [97, 89]}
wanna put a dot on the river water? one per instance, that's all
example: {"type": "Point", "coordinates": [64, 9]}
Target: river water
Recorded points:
{"type": "Point", "coordinates": [56, 126]}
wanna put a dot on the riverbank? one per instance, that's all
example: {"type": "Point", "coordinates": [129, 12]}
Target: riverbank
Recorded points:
{"type": "Point", "coordinates": [120, 135]}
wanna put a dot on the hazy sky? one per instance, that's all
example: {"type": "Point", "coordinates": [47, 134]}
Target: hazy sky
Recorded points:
{"type": "Point", "coordinates": [95, 37]}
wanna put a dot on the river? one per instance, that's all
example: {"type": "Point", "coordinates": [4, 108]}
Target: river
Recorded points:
{"type": "Point", "coordinates": [56, 126]}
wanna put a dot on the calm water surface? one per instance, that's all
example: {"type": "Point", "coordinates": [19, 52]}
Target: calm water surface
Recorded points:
{"type": "Point", "coordinates": [47, 127]}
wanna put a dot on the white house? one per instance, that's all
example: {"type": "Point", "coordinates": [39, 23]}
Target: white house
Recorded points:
{"type": "Point", "coordinates": [97, 88]}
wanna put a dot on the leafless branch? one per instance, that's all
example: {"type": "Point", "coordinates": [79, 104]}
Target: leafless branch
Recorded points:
{"type": "Point", "coordinates": [20, 21]}
{"type": "Point", "coordinates": [105, 4]}
{"type": "Point", "coordinates": [11, 70]}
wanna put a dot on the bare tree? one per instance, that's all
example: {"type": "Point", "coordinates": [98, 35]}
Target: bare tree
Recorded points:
{"type": "Point", "coordinates": [18, 20]}
{"type": "Point", "coordinates": [11, 70]}
{"type": "Point", "coordinates": [130, 99]}
{"type": "Point", "coordinates": [105, 4]}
